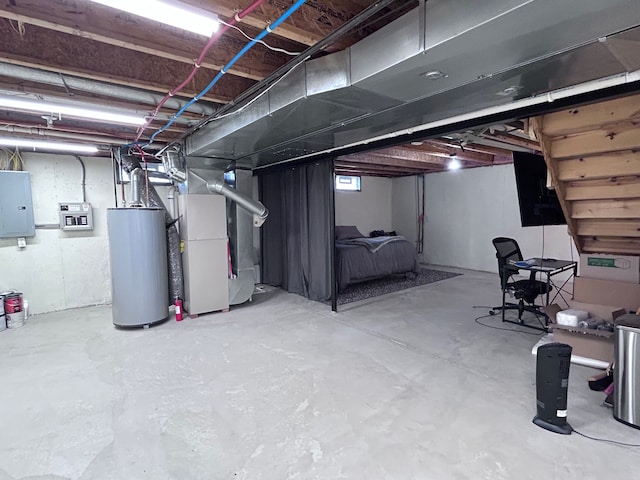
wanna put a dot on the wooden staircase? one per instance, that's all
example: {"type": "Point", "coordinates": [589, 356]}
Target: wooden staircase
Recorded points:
{"type": "Point", "coordinates": [593, 156]}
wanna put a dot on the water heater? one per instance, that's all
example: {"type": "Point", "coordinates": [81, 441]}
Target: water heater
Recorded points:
{"type": "Point", "coordinates": [139, 274]}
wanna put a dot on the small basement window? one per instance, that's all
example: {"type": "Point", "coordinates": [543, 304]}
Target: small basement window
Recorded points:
{"type": "Point", "coordinates": [348, 182]}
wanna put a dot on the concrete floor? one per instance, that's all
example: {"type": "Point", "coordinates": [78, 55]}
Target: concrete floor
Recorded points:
{"type": "Point", "coordinates": [404, 386]}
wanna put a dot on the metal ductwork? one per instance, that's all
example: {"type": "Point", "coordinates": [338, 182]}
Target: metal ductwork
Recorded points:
{"type": "Point", "coordinates": [136, 182]}
{"type": "Point", "coordinates": [143, 194]}
{"type": "Point", "coordinates": [68, 82]}
{"type": "Point", "coordinates": [174, 165]}
{"type": "Point", "coordinates": [259, 211]}
{"type": "Point", "coordinates": [442, 60]}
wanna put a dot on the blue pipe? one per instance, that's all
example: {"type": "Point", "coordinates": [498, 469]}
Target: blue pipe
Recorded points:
{"type": "Point", "coordinates": [224, 70]}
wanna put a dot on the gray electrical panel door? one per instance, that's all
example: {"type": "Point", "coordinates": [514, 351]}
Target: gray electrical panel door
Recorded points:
{"type": "Point", "coordinates": [16, 207]}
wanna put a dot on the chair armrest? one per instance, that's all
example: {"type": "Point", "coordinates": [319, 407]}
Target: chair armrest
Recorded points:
{"type": "Point", "coordinates": [508, 272]}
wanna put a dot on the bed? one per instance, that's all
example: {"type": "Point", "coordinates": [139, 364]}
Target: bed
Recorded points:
{"type": "Point", "coordinates": [359, 258]}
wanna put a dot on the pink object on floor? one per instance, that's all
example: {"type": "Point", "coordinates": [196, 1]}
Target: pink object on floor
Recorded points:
{"type": "Point", "coordinates": [609, 389]}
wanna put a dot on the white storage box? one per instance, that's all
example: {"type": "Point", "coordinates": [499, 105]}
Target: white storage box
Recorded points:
{"type": "Point", "coordinates": [571, 317]}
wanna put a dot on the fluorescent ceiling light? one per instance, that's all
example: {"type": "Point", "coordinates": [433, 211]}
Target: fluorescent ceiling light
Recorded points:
{"type": "Point", "coordinates": [169, 12]}
{"type": "Point", "coordinates": [46, 145]}
{"type": "Point", "coordinates": [71, 111]}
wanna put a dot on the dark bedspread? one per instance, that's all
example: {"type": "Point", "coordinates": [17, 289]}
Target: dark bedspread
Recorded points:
{"type": "Point", "coordinates": [357, 263]}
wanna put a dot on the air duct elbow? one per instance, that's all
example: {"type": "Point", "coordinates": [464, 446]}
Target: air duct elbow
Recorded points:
{"type": "Point", "coordinates": [258, 210]}
{"type": "Point", "coordinates": [174, 166]}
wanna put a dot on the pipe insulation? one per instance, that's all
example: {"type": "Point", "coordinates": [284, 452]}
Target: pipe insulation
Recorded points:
{"type": "Point", "coordinates": [98, 88]}
{"type": "Point", "coordinates": [176, 282]}
{"type": "Point", "coordinates": [258, 210]}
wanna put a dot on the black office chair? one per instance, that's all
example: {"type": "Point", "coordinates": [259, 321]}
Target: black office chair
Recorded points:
{"type": "Point", "coordinates": [525, 291]}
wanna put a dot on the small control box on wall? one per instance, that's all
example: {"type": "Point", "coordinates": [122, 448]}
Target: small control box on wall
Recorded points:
{"type": "Point", "coordinates": [76, 216]}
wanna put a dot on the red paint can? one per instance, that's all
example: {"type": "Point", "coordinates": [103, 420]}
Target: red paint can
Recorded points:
{"type": "Point", "coordinates": [178, 304]}
{"type": "Point", "coordinates": [13, 303]}
{"type": "Point", "coordinates": [14, 310]}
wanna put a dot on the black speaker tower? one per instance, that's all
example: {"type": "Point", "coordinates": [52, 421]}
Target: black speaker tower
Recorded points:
{"type": "Point", "coordinates": [552, 383]}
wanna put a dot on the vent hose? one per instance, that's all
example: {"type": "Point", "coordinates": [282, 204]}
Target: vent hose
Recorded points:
{"type": "Point", "coordinates": [258, 210]}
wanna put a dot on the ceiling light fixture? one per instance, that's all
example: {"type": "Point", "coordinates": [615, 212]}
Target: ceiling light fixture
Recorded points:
{"type": "Point", "coordinates": [454, 163]}
{"type": "Point", "coordinates": [513, 89]}
{"type": "Point", "coordinates": [71, 111]}
{"type": "Point", "coordinates": [47, 145]}
{"type": "Point", "coordinates": [170, 12]}
{"type": "Point", "coordinates": [434, 75]}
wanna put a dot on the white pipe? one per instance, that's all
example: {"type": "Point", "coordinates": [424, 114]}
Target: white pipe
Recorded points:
{"type": "Point", "coordinates": [171, 200]}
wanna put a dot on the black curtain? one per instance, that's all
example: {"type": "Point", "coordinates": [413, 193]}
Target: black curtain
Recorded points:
{"type": "Point", "coordinates": [297, 237]}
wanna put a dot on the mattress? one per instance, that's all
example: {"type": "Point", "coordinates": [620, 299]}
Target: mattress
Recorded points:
{"type": "Point", "coordinates": [366, 259]}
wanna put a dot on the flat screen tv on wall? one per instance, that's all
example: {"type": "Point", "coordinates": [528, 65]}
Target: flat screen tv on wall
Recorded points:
{"type": "Point", "coordinates": [539, 205]}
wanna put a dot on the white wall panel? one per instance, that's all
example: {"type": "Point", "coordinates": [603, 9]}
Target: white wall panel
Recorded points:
{"type": "Point", "coordinates": [404, 215]}
{"type": "Point", "coordinates": [466, 209]}
{"type": "Point", "coordinates": [369, 209]}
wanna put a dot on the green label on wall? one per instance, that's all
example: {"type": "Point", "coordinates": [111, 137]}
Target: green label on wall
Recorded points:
{"type": "Point", "coordinates": [601, 262]}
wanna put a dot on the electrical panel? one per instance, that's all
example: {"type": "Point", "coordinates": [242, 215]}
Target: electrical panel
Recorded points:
{"type": "Point", "coordinates": [16, 205]}
{"type": "Point", "coordinates": [76, 216]}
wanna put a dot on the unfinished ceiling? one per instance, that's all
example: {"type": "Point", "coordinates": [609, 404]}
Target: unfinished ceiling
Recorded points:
{"type": "Point", "coordinates": [85, 52]}
{"type": "Point", "coordinates": [500, 53]}
{"type": "Point", "coordinates": [440, 62]}
{"type": "Point", "coordinates": [483, 147]}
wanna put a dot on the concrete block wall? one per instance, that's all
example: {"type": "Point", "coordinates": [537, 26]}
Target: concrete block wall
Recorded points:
{"type": "Point", "coordinates": [369, 209]}
{"type": "Point", "coordinates": [59, 270]}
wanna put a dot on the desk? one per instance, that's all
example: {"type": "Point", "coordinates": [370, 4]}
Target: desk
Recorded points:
{"type": "Point", "coordinates": [550, 268]}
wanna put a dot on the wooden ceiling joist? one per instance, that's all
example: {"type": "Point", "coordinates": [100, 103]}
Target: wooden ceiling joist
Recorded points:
{"type": "Point", "coordinates": [440, 150]}
{"type": "Point", "coordinates": [593, 155]}
{"type": "Point", "coordinates": [97, 23]}
{"type": "Point", "coordinates": [313, 21]}
{"type": "Point", "coordinates": [515, 140]}
{"type": "Point", "coordinates": [472, 147]}
{"type": "Point", "coordinates": [394, 161]}
{"type": "Point", "coordinates": [355, 168]}
{"type": "Point", "coordinates": [89, 59]}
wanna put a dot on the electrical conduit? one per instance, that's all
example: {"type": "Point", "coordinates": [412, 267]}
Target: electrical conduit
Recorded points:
{"type": "Point", "coordinates": [237, 18]}
{"type": "Point", "coordinates": [239, 55]}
